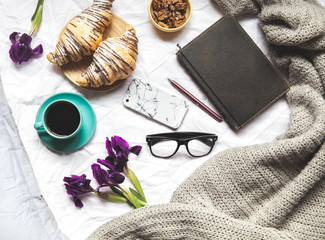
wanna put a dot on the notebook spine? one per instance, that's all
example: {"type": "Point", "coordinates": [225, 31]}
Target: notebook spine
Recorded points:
{"type": "Point", "coordinates": [203, 85]}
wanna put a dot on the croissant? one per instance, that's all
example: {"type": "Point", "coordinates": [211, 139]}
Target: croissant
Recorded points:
{"type": "Point", "coordinates": [81, 36]}
{"type": "Point", "coordinates": [114, 59]}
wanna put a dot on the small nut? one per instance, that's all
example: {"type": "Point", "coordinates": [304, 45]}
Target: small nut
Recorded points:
{"type": "Point", "coordinates": [179, 23]}
{"type": "Point", "coordinates": [163, 25]}
{"type": "Point", "coordinates": [169, 13]}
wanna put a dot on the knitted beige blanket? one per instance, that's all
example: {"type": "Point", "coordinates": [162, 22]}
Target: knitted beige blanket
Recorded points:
{"type": "Point", "coordinates": [269, 191]}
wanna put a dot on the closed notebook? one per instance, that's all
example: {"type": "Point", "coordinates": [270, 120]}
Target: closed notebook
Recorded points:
{"type": "Point", "coordinates": [234, 73]}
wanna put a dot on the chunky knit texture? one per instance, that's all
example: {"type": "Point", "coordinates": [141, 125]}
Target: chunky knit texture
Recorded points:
{"type": "Point", "coordinates": [270, 191]}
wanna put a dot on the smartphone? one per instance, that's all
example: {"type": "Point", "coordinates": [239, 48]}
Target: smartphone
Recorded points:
{"type": "Point", "coordinates": [155, 103]}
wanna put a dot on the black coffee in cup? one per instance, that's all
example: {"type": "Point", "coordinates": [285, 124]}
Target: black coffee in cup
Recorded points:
{"type": "Point", "coordinates": [62, 118]}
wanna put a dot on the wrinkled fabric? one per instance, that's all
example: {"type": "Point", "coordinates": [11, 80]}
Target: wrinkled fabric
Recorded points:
{"type": "Point", "coordinates": [24, 213]}
{"type": "Point", "coordinates": [28, 85]}
{"type": "Point", "coordinates": [268, 191]}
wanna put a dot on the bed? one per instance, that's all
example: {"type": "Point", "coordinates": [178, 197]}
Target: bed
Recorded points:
{"type": "Point", "coordinates": [44, 202]}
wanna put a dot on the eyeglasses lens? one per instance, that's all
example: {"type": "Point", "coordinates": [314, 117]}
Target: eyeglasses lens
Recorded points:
{"type": "Point", "coordinates": [200, 147]}
{"type": "Point", "coordinates": [164, 148]}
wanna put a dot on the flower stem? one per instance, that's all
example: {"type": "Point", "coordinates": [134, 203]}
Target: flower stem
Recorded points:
{"type": "Point", "coordinates": [130, 197]}
{"type": "Point", "coordinates": [111, 197]}
{"type": "Point", "coordinates": [37, 17]}
{"type": "Point", "coordinates": [135, 181]}
{"type": "Point", "coordinates": [143, 203]}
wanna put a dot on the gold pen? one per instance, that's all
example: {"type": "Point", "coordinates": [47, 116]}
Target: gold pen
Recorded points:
{"type": "Point", "coordinates": [195, 100]}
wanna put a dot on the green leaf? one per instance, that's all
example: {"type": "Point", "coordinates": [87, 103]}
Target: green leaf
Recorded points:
{"type": "Point", "coordinates": [120, 193]}
{"type": "Point", "coordinates": [114, 198]}
{"type": "Point", "coordinates": [37, 17]}
{"type": "Point", "coordinates": [117, 191]}
{"type": "Point", "coordinates": [131, 198]}
{"type": "Point", "coordinates": [134, 180]}
{"type": "Point", "coordinates": [140, 199]}
{"type": "Point", "coordinates": [136, 194]}
{"type": "Point", "coordinates": [39, 3]}
{"type": "Point", "coordinates": [111, 197]}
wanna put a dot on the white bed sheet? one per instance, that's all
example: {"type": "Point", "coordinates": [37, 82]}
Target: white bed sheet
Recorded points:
{"type": "Point", "coordinates": [28, 85]}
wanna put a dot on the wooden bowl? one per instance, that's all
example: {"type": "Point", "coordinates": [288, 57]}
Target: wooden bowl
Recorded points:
{"type": "Point", "coordinates": [188, 15]}
{"type": "Point", "coordinates": [73, 70]}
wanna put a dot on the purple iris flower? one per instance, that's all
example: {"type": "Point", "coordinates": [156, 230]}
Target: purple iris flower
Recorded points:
{"type": "Point", "coordinates": [118, 151]}
{"type": "Point", "coordinates": [108, 177]}
{"type": "Point", "coordinates": [20, 50]}
{"type": "Point", "coordinates": [76, 186]}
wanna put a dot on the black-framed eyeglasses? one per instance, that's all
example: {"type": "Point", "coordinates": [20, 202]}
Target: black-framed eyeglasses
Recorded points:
{"type": "Point", "coordinates": [165, 145]}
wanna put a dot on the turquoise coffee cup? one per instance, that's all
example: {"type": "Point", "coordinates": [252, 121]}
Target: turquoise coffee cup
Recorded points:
{"type": "Point", "coordinates": [61, 119]}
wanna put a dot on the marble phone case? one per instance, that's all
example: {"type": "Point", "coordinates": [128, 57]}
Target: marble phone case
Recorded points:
{"type": "Point", "coordinates": [155, 104]}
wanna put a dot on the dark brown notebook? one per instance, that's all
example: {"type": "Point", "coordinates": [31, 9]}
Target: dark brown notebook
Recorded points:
{"type": "Point", "coordinates": [232, 71]}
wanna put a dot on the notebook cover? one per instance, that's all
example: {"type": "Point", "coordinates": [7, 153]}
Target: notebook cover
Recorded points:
{"type": "Point", "coordinates": [234, 73]}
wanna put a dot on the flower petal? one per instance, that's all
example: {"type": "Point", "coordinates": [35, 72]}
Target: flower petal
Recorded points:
{"type": "Point", "coordinates": [38, 50]}
{"type": "Point", "coordinates": [77, 202]}
{"type": "Point", "coordinates": [120, 162]}
{"type": "Point", "coordinates": [14, 37]}
{"type": "Point", "coordinates": [25, 54]}
{"type": "Point", "coordinates": [116, 178]}
{"type": "Point", "coordinates": [106, 164]}
{"type": "Point", "coordinates": [12, 54]}
{"type": "Point", "coordinates": [119, 144]}
{"type": "Point", "coordinates": [70, 191]}
{"type": "Point", "coordinates": [77, 185]}
{"type": "Point", "coordinates": [120, 167]}
{"type": "Point", "coordinates": [19, 53]}
{"type": "Point", "coordinates": [109, 148]}
{"type": "Point", "coordinates": [110, 160]}
{"type": "Point", "coordinates": [99, 174]}
{"type": "Point", "coordinates": [135, 149]}
{"type": "Point", "coordinates": [25, 39]}
{"type": "Point", "coordinates": [20, 50]}
{"type": "Point", "coordinates": [75, 179]}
